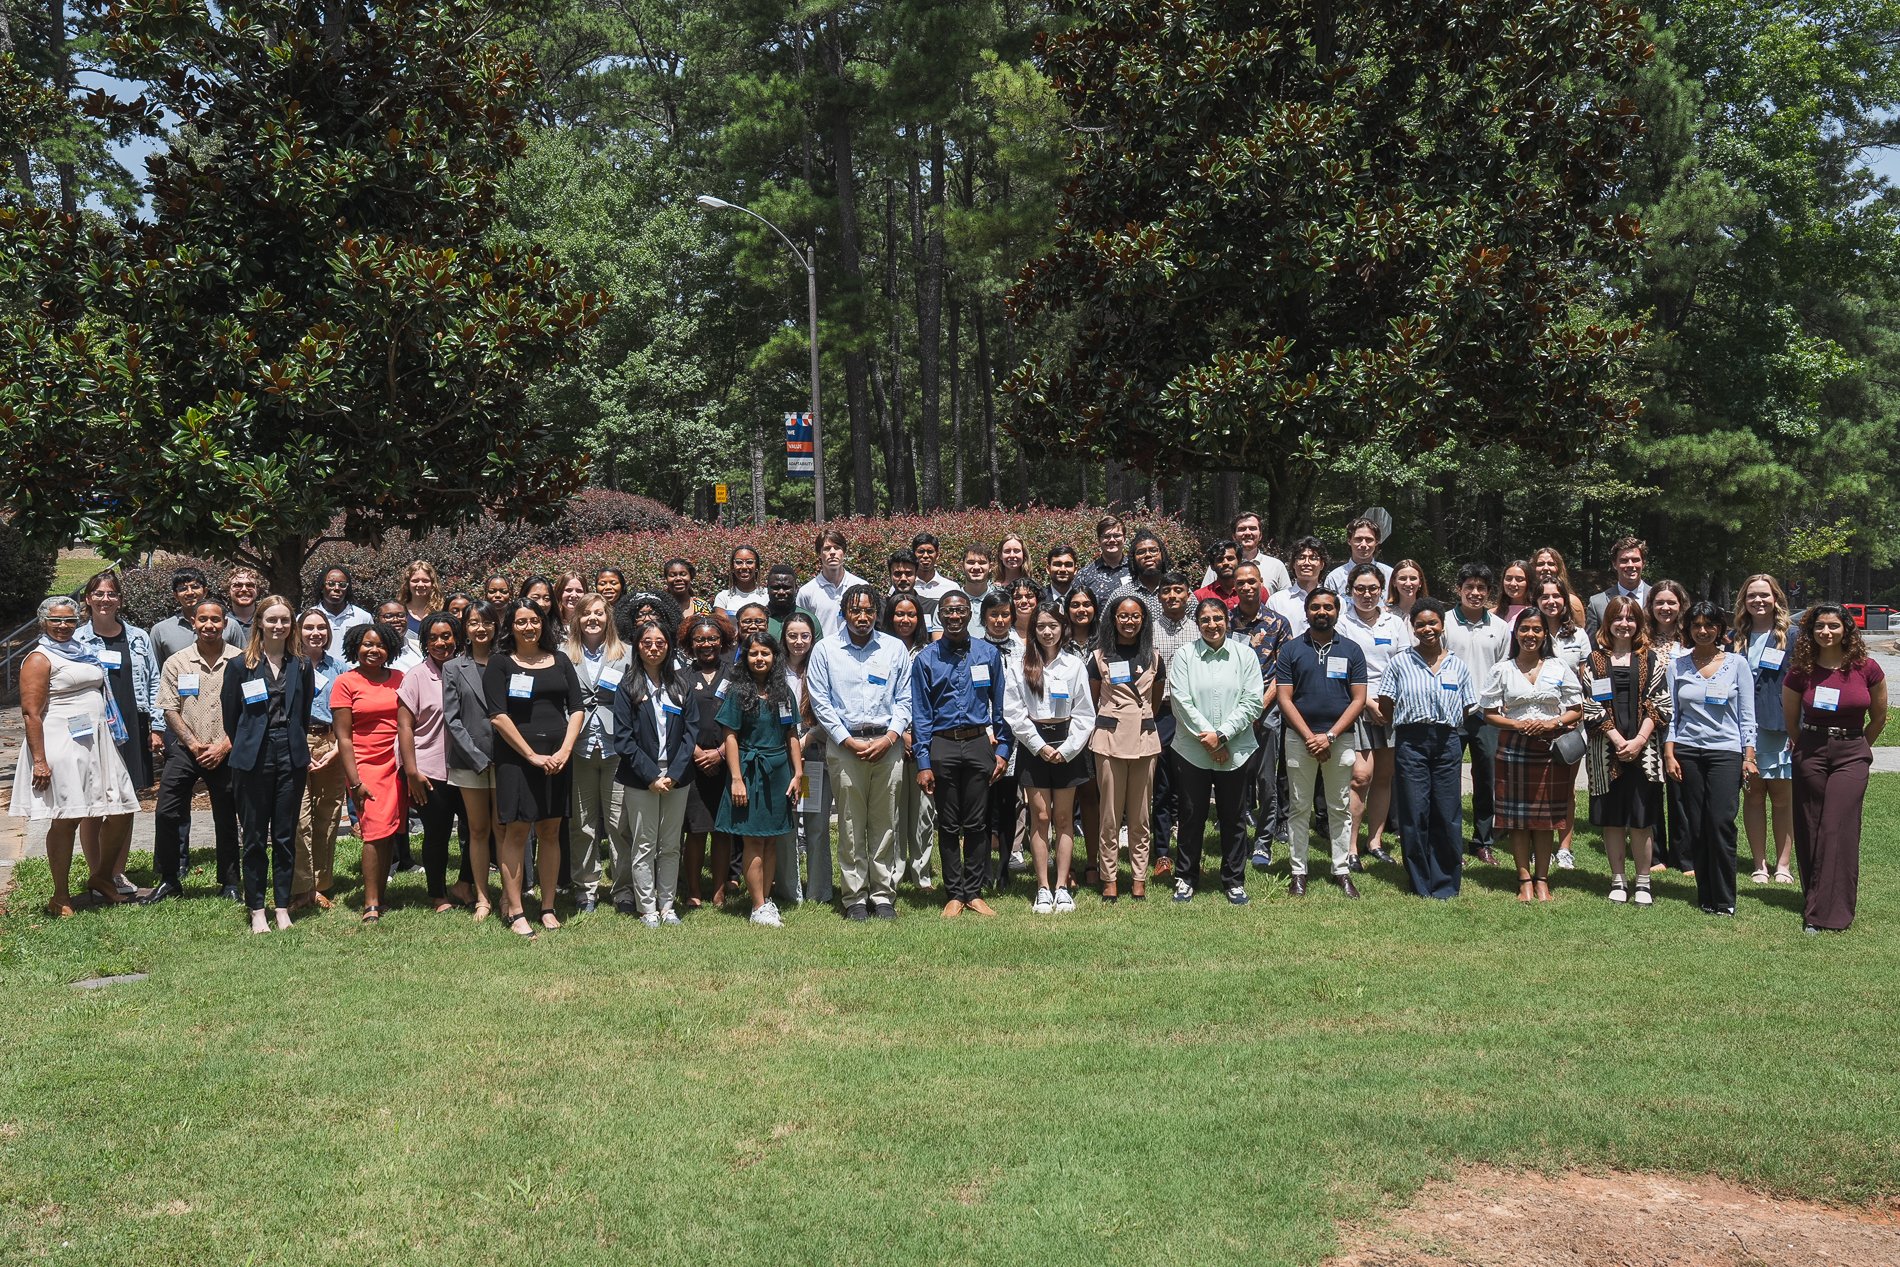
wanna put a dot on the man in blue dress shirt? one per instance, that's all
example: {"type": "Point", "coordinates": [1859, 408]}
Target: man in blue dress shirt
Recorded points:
{"type": "Point", "coordinates": [859, 686]}
{"type": "Point", "coordinates": [956, 706]}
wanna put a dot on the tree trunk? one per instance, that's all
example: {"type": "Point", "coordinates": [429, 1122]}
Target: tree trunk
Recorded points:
{"type": "Point", "coordinates": [929, 328]}
{"type": "Point", "coordinates": [981, 320]}
{"type": "Point", "coordinates": [897, 468]}
{"type": "Point", "coordinates": [851, 274]}
{"type": "Point", "coordinates": [758, 468]}
{"type": "Point", "coordinates": [956, 395]}
{"type": "Point", "coordinates": [282, 563]}
{"type": "Point", "coordinates": [63, 81]}
{"type": "Point", "coordinates": [15, 152]}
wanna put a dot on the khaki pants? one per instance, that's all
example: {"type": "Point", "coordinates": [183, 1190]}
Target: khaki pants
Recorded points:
{"type": "Point", "coordinates": [916, 828]}
{"type": "Point", "coordinates": [322, 806]}
{"type": "Point", "coordinates": [866, 794]}
{"type": "Point", "coordinates": [1127, 792]}
{"type": "Point", "coordinates": [1334, 776]}
{"type": "Point", "coordinates": [599, 824]}
{"type": "Point", "coordinates": [647, 872]}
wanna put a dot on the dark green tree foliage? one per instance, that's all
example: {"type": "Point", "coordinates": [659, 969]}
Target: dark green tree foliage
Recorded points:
{"type": "Point", "coordinates": [317, 323]}
{"type": "Point", "coordinates": [1290, 228]}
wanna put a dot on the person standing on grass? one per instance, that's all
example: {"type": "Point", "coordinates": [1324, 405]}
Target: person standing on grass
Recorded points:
{"type": "Point", "coordinates": [656, 731]}
{"type": "Point", "coordinates": [364, 708]}
{"type": "Point", "coordinates": [799, 636]}
{"type": "Point", "coordinates": [471, 745]}
{"type": "Point", "coordinates": [1309, 564]}
{"type": "Point", "coordinates": [962, 742]}
{"type": "Point", "coordinates": [1128, 684]}
{"type": "Point", "coordinates": [1532, 697]}
{"type": "Point", "coordinates": [1626, 708]}
{"type": "Point", "coordinates": [1214, 683]}
{"type": "Point", "coordinates": [1051, 715]}
{"type": "Point", "coordinates": [1322, 685]}
{"type": "Point", "coordinates": [742, 582]}
{"type": "Point", "coordinates": [931, 583]}
{"type": "Point", "coordinates": [322, 802]}
{"type": "Point", "coordinates": [1710, 751]}
{"type": "Point", "coordinates": [422, 744]}
{"type": "Point", "coordinates": [1008, 833]}
{"type": "Point", "coordinates": [1253, 623]}
{"type": "Point", "coordinates": [190, 696]}
{"type": "Point", "coordinates": [536, 708]}
{"type": "Point", "coordinates": [266, 696]}
{"type": "Point", "coordinates": [596, 824]}
{"type": "Point", "coordinates": [708, 642]}
{"type": "Point", "coordinates": [70, 773]}
{"type": "Point", "coordinates": [1174, 628]}
{"type": "Point", "coordinates": [1760, 633]}
{"type": "Point", "coordinates": [859, 688]}
{"type": "Point", "coordinates": [765, 766]}
{"type": "Point", "coordinates": [823, 594]}
{"type": "Point", "coordinates": [1475, 634]}
{"type": "Point", "coordinates": [1380, 635]}
{"type": "Point", "coordinates": [1570, 644]}
{"type": "Point", "coordinates": [125, 652]}
{"type": "Point", "coordinates": [903, 619]}
{"type": "Point", "coordinates": [1428, 694]}
{"type": "Point", "coordinates": [1666, 606]}
{"type": "Point", "coordinates": [1836, 696]}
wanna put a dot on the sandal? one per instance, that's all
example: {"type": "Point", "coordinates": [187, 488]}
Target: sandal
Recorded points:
{"type": "Point", "coordinates": [1760, 876]}
{"type": "Point", "coordinates": [549, 920]}
{"type": "Point", "coordinates": [444, 905]}
{"type": "Point", "coordinates": [372, 914]}
{"type": "Point", "coordinates": [482, 910]}
{"type": "Point", "coordinates": [1783, 876]}
{"type": "Point", "coordinates": [1524, 891]}
{"type": "Point", "coordinates": [1543, 887]}
{"type": "Point", "coordinates": [108, 896]}
{"type": "Point", "coordinates": [526, 929]}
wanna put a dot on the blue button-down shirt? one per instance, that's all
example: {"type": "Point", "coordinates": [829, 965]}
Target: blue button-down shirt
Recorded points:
{"type": "Point", "coordinates": [852, 685]}
{"type": "Point", "coordinates": [945, 695]}
{"type": "Point", "coordinates": [326, 671]}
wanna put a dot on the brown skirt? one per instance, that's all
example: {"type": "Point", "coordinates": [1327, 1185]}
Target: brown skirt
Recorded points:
{"type": "Point", "coordinates": [1534, 789]}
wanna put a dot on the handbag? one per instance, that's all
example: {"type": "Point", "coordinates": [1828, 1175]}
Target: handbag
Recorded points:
{"type": "Point", "coordinates": [1570, 746]}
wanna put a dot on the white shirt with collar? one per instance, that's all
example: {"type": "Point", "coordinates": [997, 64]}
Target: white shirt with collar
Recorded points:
{"type": "Point", "coordinates": [1290, 605]}
{"type": "Point", "coordinates": [1336, 579]}
{"type": "Point", "coordinates": [822, 599]}
{"type": "Point", "coordinates": [1387, 635]}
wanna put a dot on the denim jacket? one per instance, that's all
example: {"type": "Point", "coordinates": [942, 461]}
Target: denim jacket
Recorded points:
{"type": "Point", "coordinates": [138, 647]}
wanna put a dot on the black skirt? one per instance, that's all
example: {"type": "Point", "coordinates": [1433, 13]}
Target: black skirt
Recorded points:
{"type": "Point", "coordinates": [1033, 771]}
{"type": "Point", "coordinates": [704, 789]}
{"type": "Point", "coordinates": [1632, 801]}
{"type": "Point", "coordinates": [527, 794]}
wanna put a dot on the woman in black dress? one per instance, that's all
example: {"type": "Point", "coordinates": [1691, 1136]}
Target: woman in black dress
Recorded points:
{"type": "Point", "coordinates": [1626, 710]}
{"type": "Point", "coordinates": [708, 644]}
{"type": "Point", "coordinates": [125, 652]}
{"type": "Point", "coordinates": [534, 702]}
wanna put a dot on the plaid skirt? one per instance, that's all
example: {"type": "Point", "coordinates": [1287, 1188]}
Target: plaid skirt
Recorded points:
{"type": "Point", "coordinates": [1534, 789]}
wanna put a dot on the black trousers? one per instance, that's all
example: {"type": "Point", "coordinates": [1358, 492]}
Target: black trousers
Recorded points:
{"type": "Point", "coordinates": [268, 798]}
{"type": "Point", "coordinates": [1711, 791]}
{"type": "Point", "coordinates": [1229, 790]}
{"type": "Point", "coordinates": [1425, 760]}
{"type": "Point", "coordinates": [1481, 741]}
{"type": "Point", "coordinates": [962, 769]}
{"type": "Point", "coordinates": [441, 813]}
{"type": "Point", "coordinates": [1006, 811]}
{"type": "Point", "coordinates": [171, 819]}
{"type": "Point", "coordinates": [1166, 801]}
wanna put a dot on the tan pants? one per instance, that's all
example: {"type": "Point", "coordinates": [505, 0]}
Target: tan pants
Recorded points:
{"type": "Point", "coordinates": [866, 794]}
{"type": "Point", "coordinates": [316, 824]}
{"type": "Point", "coordinates": [1127, 792]}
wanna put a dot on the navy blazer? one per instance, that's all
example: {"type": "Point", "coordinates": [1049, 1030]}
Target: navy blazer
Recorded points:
{"type": "Point", "coordinates": [247, 723]}
{"type": "Point", "coordinates": [638, 741]}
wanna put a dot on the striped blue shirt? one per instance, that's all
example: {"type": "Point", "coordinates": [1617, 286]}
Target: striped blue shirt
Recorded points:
{"type": "Point", "coordinates": [1419, 695]}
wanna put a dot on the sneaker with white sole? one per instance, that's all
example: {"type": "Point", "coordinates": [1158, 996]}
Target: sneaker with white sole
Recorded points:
{"type": "Point", "coordinates": [1566, 861]}
{"type": "Point", "coordinates": [1237, 895]}
{"type": "Point", "coordinates": [925, 883]}
{"type": "Point", "coordinates": [1065, 901]}
{"type": "Point", "coordinates": [1045, 903]}
{"type": "Point", "coordinates": [650, 919]}
{"type": "Point", "coordinates": [669, 916]}
{"type": "Point", "coordinates": [1643, 897]}
{"type": "Point", "coordinates": [1619, 892]}
{"type": "Point", "coordinates": [1018, 863]}
{"type": "Point", "coordinates": [1183, 891]}
{"type": "Point", "coordinates": [124, 886]}
{"type": "Point", "coordinates": [768, 916]}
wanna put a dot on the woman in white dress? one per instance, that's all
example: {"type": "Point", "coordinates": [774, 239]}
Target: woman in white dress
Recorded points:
{"type": "Point", "coordinates": [70, 772]}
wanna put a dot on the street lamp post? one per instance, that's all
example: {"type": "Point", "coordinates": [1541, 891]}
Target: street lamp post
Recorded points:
{"type": "Point", "coordinates": [810, 261]}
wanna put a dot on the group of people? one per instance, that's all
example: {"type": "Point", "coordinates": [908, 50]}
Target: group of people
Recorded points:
{"type": "Point", "coordinates": [630, 746]}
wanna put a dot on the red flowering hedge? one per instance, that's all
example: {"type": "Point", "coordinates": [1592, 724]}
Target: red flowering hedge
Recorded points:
{"type": "Point", "coordinates": [708, 547]}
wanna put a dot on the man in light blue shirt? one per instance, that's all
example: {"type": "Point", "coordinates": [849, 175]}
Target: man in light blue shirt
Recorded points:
{"type": "Point", "coordinates": [338, 604]}
{"type": "Point", "coordinates": [859, 688]}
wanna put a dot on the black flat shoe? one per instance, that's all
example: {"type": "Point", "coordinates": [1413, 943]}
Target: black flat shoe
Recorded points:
{"type": "Point", "coordinates": [162, 890]}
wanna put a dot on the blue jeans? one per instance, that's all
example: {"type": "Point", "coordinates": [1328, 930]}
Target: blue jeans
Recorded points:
{"type": "Point", "coordinates": [1428, 810]}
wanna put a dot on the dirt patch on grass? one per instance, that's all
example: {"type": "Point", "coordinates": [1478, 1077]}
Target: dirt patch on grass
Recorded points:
{"type": "Point", "coordinates": [1495, 1218]}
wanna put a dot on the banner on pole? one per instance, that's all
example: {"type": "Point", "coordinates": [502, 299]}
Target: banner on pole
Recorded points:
{"type": "Point", "coordinates": [798, 446]}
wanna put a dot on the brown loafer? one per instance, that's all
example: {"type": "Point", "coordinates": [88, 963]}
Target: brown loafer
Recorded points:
{"type": "Point", "coordinates": [1346, 885]}
{"type": "Point", "coordinates": [981, 907]}
{"type": "Point", "coordinates": [952, 909]}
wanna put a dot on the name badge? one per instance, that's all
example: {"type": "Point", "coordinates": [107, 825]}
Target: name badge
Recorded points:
{"type": "Point", "coordinates": [1716, 700]}
{"type": "Point", "coordinates": [110, 658]}
{"type": "Point", "coordinates": [980, 674]}
{"type": "Point", "coordinates": [80, 728]}
{"type": "Point", "coordinates": [875, 680]}
{"type": "Point", "coordinates": [520, 686]}
{"type": "Point", "coordinates": [1827, 698]}
{"type": "Point", "coordinates": [719, 692]}
{"type": "Point", "coordinates": [255, 692]}
{"type": "Point", "coordinates": [1336, 667]}
{"type": "Point", "coordinates": [1058, 703]}
{"type": "Point", "coordinates": [1600, 688]}
{"type": "Point", "coordinates": [1772, 657]}
{"type": "Point", "coordinates": [1381, 642]}
{"type": "Point", "coordinates": [668, 707]}
{"type": "Point", "coordinates": [610, 678]}
{"type": "Point", "coordinates": [188, 685]}
{"type": "Point", "coordinates": [787, 715]}
{"type": "Point", "coordinates": [322, 682]}
{"type": "Point", "coordinates": [1446, 684]}
{"type": "Point", "coordinates": [1118, 672]}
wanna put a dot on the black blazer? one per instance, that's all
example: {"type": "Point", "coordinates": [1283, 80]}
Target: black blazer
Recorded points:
{"type": "Point", "coordinates": [247, 723]}
{"type": "Point", "coordinates": [638, 742]}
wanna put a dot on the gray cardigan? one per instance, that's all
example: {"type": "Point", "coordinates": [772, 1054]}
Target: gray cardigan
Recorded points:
{"type": "Point", "coordinates": [465, 715]}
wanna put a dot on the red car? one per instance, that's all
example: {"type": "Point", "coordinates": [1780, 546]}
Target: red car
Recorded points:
{"type": "Point", "coordinates": [1859, 612]}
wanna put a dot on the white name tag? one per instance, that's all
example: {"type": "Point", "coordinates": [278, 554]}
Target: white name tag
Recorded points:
{"type": "Point", "coordinates": [188, 684]}
{"type": "Point", "coordinates": [1447, 685]}
{"type": "Point", "coordinates": [610, 678]}
{"type": "Point", "coordinates": [786, 714]}
{"type": "Point", "coordinates": [1600, 688]}
{"type": "Point", "coordinates": [322, 683]}
{"type": "Point", "coordinates": [520, 686]}
{"type": "Point", "coordinates": [1118, 672]}
{"type": "Point", "coordinates": [1772, 657]}
{"type": "Point", "coordinates": [1827, 698]}
{"type": "Point", "coordinates": [1058, 703]}
{"type": "Point", "coordinates": [110, 658]}
{"type": "Point", "coordinates": [719, 692]}
{"type": "Point", "coordinates": [980, 674]}
{"type": "Point", "coordinates": [255, 692]}
{"type": "Point", "coordinates": [80, 728]}
{"type": "Point", "coordinates": [1336, 667]}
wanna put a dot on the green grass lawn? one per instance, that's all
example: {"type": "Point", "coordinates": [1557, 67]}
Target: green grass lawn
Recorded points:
{"type": "Point", "coordinates": [1141, 1083]}
{"type": "Point", "coordinates": [72, 569]}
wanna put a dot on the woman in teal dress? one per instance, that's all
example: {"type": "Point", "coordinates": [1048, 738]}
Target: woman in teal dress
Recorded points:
{"type": "Point", "coordinates": [758, 717]}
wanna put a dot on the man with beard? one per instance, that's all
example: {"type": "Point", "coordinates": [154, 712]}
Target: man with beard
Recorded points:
{"type": "Point", "coordinates": [1322, 678]}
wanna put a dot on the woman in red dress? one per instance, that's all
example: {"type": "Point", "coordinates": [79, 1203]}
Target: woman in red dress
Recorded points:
{"type": "Point", "coordinates": [363, 706]}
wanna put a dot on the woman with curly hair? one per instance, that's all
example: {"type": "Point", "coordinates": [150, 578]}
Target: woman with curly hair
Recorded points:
{"type": "Point", "coordinates": [707, 641]}
{"type": "Point", "coordinates": [757, 721]}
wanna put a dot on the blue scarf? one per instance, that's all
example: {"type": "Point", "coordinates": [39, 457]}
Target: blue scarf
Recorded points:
{"type": "Point", "coordinates": [78, 654]}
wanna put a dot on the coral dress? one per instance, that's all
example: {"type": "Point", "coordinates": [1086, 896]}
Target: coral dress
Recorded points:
{"type": "Point", "coordinates": [372, 708]}
{"type": "Point", "coordinates": [89, 776]}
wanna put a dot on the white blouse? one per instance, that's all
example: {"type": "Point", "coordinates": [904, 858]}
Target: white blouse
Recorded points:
{"type": "Point", "coordinates": [1065, 693]}
{"type": "Point", "coordinates": [1572, 650]}
{"type": "Point", "coordinates": [1555, 692]}
{"type": "Point", "coordinates": [1384, 638]}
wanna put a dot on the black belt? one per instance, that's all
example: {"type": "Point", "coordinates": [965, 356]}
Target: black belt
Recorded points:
{"type": "Point", "coordinates": [869, 732]}
{"type": "Point", "coordinates": [1833, 732]}
{"type": "Point", "coordinates": [961, 732]}
{"type": "Point", "coordinates": [1057, 726]}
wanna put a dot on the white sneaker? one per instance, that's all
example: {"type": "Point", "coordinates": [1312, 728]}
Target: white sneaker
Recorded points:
{"type": "Point", "coordinates": [1065, 901]}
{"type": "Point", "coordinates": [669, 916]}
{"type": "Point", "coordinates": [925, 883]}
{"type": "Point", "coordinates": [1044, 904]}
{"type": "Point", "coordinates": [1017, 862]}
{"type": "Point", "coordinates": [1566, 861]}
{"type": "Point", "coordinates": [1619, 892]}
{"type": "Point", "coordinates": [1643, 897]}
{"type": "Point", "coordinates": [650, 920]}
{"type": "Point", "coordinates": [768, 916]}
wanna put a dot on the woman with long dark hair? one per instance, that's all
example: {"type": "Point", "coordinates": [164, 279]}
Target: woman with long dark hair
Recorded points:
{"type": "Point", "coordinates": [471, 744]}
{"type": "Point", "coordinates": [798, 635]}
{"type": "Point", "coordinates": [1710, 751]}
{"type": "Point", "coordinates": [655, 728]}
{"type": "Point", "coordinates": [1128, 684]}
{"type": "Point", "coordinates": [1667, 603]}
{"type": "Point", "coordinates": [1626, 710]}
{"type": "Point", "coordinates": [1051, 712]}
{"type": "Point", "coordinates": [125, 652]}
{"type": "Point", "coordinates": [903, 619]}
{"type": "Point", "coordinates": [1532, 697]}
{"type": "Point", "coordinates": [707, 641]}
{"type": "Point", "coordinates": [764, 763]}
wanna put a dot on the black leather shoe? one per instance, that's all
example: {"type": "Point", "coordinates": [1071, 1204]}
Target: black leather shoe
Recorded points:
{"type": "Point", "coordinates": [162, 890]}
{"type": "Point", "coordinates": [1355, 864]}
{"type": "Point", "coordinates": [1297, 886]}
{"type": "Point", "coordinates": [626, 908]}
{"type": "Point", "coordinates": [856, 912]}
{"type": "Point", "coordinates": [883, 910]}
{"type": "Point", "coordinates": [1379, 852]}
{"type": "Point", "coordinates": [231, 893]}
{"type": "Point", "coordinates": [1346, 885]}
